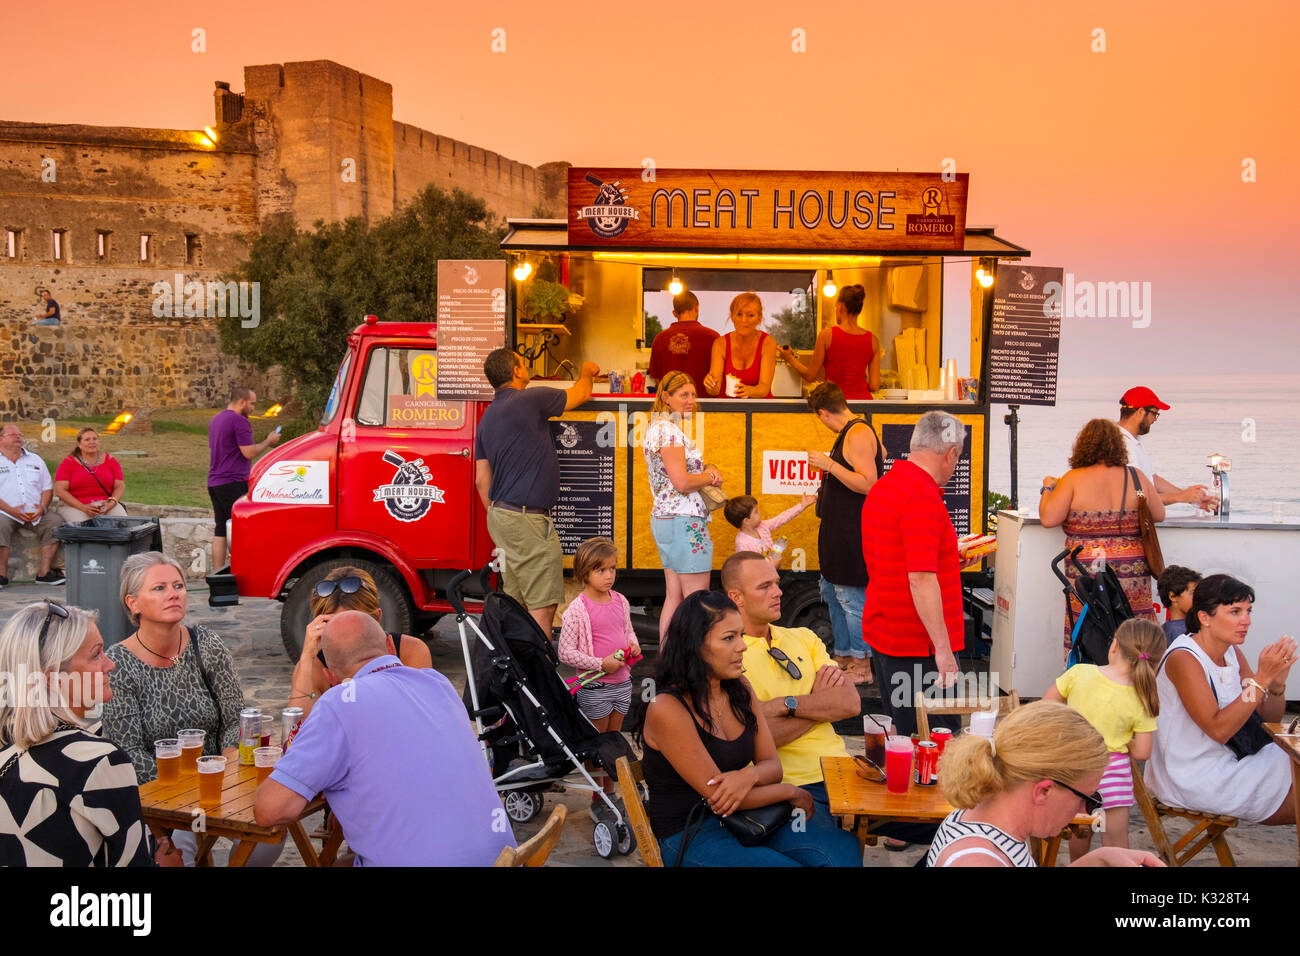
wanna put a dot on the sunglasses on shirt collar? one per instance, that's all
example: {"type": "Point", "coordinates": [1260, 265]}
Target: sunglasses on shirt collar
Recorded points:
{"type": "Point", "coordinates": [789, 666]}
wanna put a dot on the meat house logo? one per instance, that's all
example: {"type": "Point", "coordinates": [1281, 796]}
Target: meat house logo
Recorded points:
{"type": "Point", "coordinates": [410, 494]}
{"type": "Point", "coordinates": [610, 215]}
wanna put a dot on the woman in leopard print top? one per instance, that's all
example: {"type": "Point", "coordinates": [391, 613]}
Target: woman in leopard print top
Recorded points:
{"type": "Point", "coordinates": [159, 686]}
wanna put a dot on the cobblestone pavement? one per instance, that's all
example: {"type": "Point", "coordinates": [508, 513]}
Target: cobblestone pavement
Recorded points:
{"type": "Point", "coordinates": [252, 632]}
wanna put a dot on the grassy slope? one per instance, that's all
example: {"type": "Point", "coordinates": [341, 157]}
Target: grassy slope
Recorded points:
{"type": "Point", "coordinates": [175, 468]}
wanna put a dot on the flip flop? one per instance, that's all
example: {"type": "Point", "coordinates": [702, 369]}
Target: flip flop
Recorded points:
{"type": "Point", "coordinates": [895, 846]}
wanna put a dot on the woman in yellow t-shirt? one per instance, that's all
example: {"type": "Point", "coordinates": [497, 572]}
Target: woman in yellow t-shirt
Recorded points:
{"type": "Point", "coordinates": [1120, 701]}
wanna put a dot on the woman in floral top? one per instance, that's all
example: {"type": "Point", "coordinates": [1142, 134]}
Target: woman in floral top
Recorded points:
{"type": "Point", "coordinates": [679, 520]}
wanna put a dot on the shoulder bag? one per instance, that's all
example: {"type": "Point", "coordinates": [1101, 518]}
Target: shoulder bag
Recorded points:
{"type": "Point", "coordinates": [749, 827]}
{"type": "Point", "coordinates": [1146, 526]}
{"type": "Point", "coordinates": [1251, 737]}
{"type": "Point", "coordinates": [203, 673]}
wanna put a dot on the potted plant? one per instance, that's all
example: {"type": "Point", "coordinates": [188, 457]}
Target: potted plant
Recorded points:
{"type": "Point", "coordinates": [546, 301]}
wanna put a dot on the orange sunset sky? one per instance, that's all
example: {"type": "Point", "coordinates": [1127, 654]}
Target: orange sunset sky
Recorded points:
{"type": "Point", "coordinates": [1122, 165]}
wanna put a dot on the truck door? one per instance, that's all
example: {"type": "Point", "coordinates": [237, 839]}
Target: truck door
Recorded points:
{"type": "Point", "coordinates": [407, 472]}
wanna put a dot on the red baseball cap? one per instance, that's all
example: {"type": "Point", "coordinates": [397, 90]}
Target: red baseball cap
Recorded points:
{"type": "Point", "coordinates": [1142, 397]}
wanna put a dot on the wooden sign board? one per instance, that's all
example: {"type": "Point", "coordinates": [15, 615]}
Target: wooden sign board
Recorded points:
{"type": "Point", "coordinates": [766, 209]}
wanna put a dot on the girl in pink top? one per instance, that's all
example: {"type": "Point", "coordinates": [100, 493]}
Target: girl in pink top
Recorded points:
{"type": "Point", "coordinates": [755, 534]}
{"type": "Point", "coordinates": [596, 625]}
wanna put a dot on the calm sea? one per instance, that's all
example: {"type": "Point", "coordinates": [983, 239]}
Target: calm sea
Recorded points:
{"type": "Point", "coordinates": [1253, 421]}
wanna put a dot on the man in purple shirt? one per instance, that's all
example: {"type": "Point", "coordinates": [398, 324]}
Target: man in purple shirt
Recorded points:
{"type": "Point", "coordinates": [230, 442]}
{"type": "Point", "coordinates": [393, 753]}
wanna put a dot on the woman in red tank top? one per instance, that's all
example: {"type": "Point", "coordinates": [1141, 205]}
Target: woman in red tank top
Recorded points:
{"type": "Point", "coordinates": [748, 354]}
{"type": "Point", "coordinates": [846, 350]}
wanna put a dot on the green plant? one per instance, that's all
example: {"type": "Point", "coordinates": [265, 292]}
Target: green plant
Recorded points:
{"type": "Point", "coordinates": [548, 301]}
{"type": "Point", "coordinates": [652, 326]}
{"type": "Point", "coordinates": [997, 502]}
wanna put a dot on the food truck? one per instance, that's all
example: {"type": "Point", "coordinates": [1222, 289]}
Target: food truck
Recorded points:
{"type": "Point", "coordinates": [386, 482]}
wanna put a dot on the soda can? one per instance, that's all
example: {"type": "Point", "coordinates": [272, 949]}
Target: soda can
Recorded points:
{"type": "Point", "coordinates": [927, 763]}
{"type": "Point", "coordinates": [290, 721]}
{"type": "Point", "coordinates": [941, 736]}
{"type": "Point", "coordinates": [250, 734]}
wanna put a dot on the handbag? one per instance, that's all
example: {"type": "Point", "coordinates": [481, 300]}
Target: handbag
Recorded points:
{"type": "Point", "coordinates": [203, 672]}
{"type": "Point", "coordinates": [1250, 738]}
{"type": "Point", "coordinates": [749, 827]}
{"type": "Point", "coordinates": [1146, 527]}
{"type": "Point", "coordinates": [713, 496]}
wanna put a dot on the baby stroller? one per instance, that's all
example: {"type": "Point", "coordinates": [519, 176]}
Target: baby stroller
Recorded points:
{"type": "Point", "coordinates": [1105, 608]}
{"type": "Point", "coordinates": [533, 734]}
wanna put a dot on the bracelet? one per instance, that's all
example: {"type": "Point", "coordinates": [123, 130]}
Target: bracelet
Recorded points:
{"type": "Point", "coordinates": [1251, 682]}
{"type": "Point", "coordinates": [1045, 489]}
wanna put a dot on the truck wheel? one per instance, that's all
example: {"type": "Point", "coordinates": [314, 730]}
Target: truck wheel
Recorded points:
{"type": "Point", "coordinates": [394, 601]}
{"type": "Point", "coordinates": [809, 611]}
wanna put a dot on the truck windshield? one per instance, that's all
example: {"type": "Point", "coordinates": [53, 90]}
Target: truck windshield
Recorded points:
{"type": "Point", "coordinates": [336, 392]}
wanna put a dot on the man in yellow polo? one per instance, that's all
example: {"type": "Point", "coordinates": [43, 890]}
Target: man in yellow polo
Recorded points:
{"type": "Point", "coordinates": [801, 689]}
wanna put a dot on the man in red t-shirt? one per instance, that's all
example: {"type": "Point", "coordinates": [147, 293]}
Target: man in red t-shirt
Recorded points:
{"type": "Point", "coordinates": [685, 345]}
{"type": "Point", "coordinates": [913, 616]}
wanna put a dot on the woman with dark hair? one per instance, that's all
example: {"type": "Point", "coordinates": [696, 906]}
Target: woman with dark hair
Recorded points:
{"type": "Point", "coordinates": [1207, 694]}
{"type": "Point", "coordinates": [89, 481]}
{"type": "Point", "coordinates": [1096, 504]}
{"type": "Point", "coordinates": [705, 739]}
{"type": "Point", "coordinates": [846, 349]}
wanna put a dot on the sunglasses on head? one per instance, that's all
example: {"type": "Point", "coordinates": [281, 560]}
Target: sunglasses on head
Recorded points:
{"type": "Point", "coordinates": [787, 665]}
{"type": "Point", "coordinates": [1091, 804]}
{"type": "Point", "coordinates": [52, 609]}
{"type": "Point", "coordinates": [349, 585]}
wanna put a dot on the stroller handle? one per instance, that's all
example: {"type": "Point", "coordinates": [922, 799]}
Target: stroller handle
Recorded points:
{"type": "Point", "coordinates": [453, 591]}
{"type": "Point", "coordinates": [1074, 559]}
{"type": "Point", "coordinates": [1056, 567]}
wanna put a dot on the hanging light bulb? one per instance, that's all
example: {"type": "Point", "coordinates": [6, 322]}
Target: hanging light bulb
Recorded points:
{"type": "Point", "coordinates": [523, 270]}
{"type": "Point", "coordinates": [675, 287]}
{"type": "Point", "coordinates": [985, 278]}
{"type": "Point", "coordinates": [829, 288]}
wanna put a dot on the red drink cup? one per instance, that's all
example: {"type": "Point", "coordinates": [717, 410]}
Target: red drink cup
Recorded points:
{"type": "Point", "coordinates": [898, 764]}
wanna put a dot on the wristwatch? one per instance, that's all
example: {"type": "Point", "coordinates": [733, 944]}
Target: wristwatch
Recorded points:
{"type": "Point", "coordinates": [791, 703]}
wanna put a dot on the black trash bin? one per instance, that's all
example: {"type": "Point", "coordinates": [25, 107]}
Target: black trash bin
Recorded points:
{"type": "Point", "coordinates": [94, 552]}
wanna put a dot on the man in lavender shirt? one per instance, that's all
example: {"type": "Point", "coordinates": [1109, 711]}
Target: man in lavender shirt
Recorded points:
{"type": "Point", "coordinates": [393, 753]}
{"type": "Point", "coordinates": [230, 442]}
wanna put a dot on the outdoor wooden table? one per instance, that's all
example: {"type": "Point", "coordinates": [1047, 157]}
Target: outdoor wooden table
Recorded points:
{"type": "Point", "coordinates": [174, 806]}
{"type": "Point", "coordinates": [872, 804]}
{"type": "Point", "coordinates": [1292, 746]}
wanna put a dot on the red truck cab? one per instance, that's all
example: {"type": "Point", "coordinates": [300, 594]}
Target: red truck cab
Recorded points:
{"type": "Point", "coordinates": [385, 483]}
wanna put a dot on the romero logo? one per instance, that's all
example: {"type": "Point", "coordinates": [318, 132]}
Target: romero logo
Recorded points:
{"type": "Point", "coordinates": [568, 436]}
{"type": "Point", "coordinates": [410, 494]}
{"type": "Point", "coordinates": [610, 214]}
{"type": "Point", "coordinates": [931, 222]}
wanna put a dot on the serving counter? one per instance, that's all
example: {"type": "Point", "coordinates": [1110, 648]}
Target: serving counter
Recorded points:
{"type": "Point", "coordinates": [1029, 611]}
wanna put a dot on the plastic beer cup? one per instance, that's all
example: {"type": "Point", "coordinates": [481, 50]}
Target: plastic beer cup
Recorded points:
{"type": "Point", "coordinates": [898, 764]}
{"type": "Point", "coordinates": [212, 771]}
{"type": "Point", "coordinates": [191, 747]}
{"type": "Point", "coordinates": [264, 759]}
{"type": "Point", "coordinates": [167, 754]}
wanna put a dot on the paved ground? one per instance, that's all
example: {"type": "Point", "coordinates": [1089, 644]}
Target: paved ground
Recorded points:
{"type": "Point", "coordinates": [252, 631]}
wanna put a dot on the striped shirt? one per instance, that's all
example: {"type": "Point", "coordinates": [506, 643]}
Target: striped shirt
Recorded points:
{"type": "Point", "coordinates": [954, 828]}
{"type": "Point", "coordinates": [906, 528]}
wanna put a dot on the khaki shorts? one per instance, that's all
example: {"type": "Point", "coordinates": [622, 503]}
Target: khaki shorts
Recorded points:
{"type": "Point", "coordinates": [534, 565]}
{"type": "Point", "coordinates": [44, 529]}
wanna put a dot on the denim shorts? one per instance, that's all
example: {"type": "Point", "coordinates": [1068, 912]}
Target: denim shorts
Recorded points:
{"type": "Point", "coordinates": [684, 543]}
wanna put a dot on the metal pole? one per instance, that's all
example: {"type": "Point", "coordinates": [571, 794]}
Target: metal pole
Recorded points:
{"type": "Point", "coordinates": [1013, 421]}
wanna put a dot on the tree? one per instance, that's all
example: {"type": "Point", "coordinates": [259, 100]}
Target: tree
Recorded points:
{"type": "Point", "coordinates": [652, 326]}
{"type": "Point", "coordinates": [316, 284]}
{"type": "Point", "coordinates": [795, 329]}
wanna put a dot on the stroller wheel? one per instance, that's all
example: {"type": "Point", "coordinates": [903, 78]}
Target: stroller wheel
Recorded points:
{"type": "Point", "coordinates": [522, 806]}
{"type": "Point", "coordinates": [603, 837]}
{"type": "Point", "coordinates": [626, 842]}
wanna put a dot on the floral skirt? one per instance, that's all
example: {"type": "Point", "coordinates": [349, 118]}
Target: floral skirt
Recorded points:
{"type": "Point", "coordinates": [1113, 537]}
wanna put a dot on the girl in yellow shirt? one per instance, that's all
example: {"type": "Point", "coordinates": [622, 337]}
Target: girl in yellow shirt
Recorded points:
{"type": "Point", "coordinates": [1119, 699]}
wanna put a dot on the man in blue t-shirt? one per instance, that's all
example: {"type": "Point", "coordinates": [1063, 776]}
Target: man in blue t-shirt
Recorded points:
{"type": "Point", "coordinates": [50, 313]}
{"type": "Point", "coordinates": [518, 478]}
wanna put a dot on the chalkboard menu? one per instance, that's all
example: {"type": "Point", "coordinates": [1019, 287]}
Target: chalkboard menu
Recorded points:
{"type": "Point", "coordinates": [585, 506]}
{"type": "Point", "coordinates": [1026, 335]}
{"type": "Point", "coordinates": [897, 439]}
{"type": "Point", "coordinates": [471, 323]}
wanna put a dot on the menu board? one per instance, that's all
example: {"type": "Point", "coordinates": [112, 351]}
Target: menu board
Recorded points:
{"type": "Point", "coordinates": [585, 506]}
{"type": "Point", "coordinates": [1026, 335]}
{"type": "Point", "coordinates": [471, 323]}
{"type": "Point", "coordinates": [897, 439]}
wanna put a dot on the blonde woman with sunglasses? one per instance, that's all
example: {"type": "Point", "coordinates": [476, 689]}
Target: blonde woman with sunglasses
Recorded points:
{"type": "Point", "coordinates": [345, 588]}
